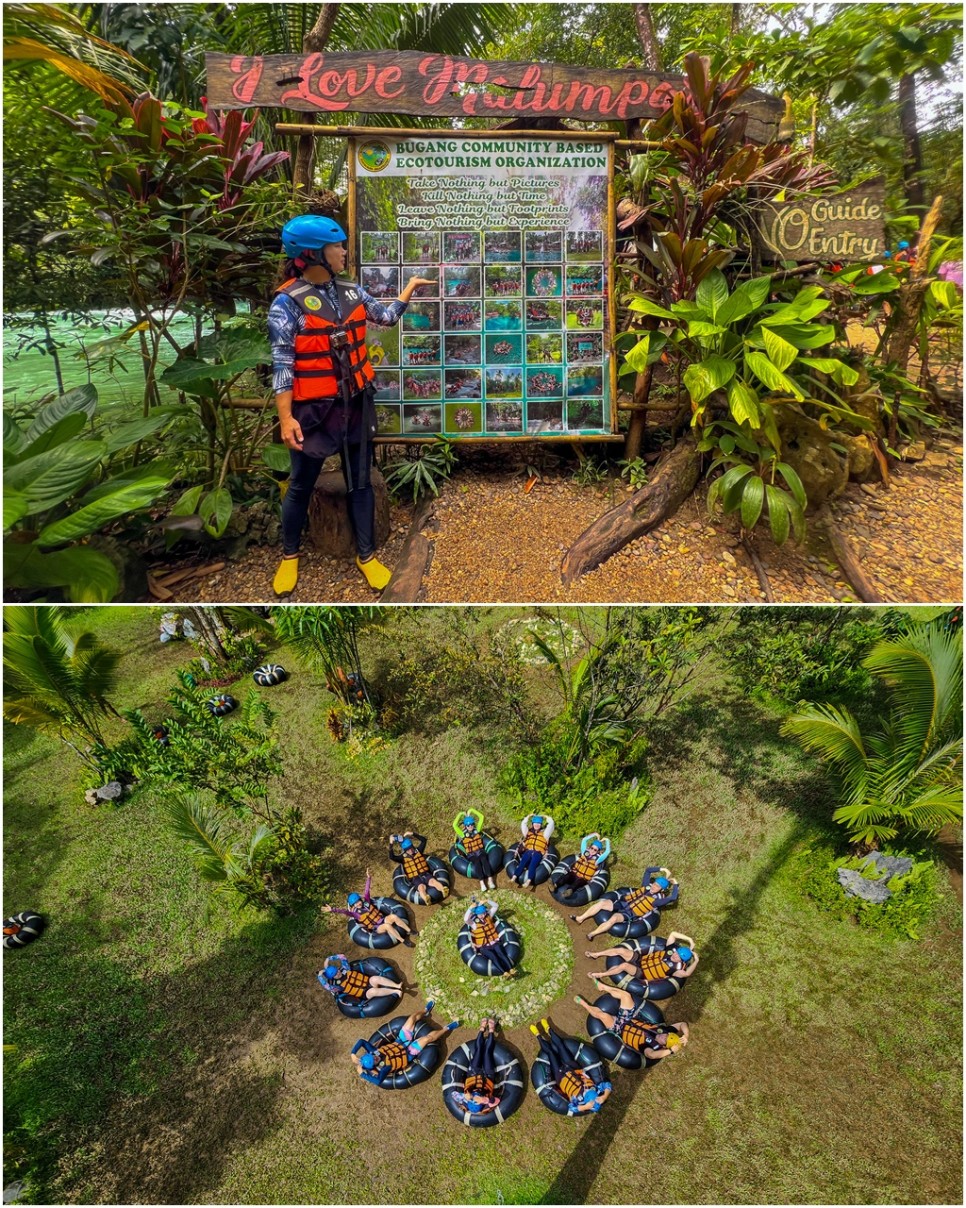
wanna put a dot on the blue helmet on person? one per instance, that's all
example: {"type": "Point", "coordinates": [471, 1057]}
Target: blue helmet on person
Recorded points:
{"type": "Point", "coordinates": [368, 1061]}
{"type": "Point", "coordinates": [353, 898]}
{"type": "Point", "coordinates": [663, 882]}
{"type": "Point", "coordinates": [331, 972]}
{"type": "Point", "coordinates": [406, 844]}
{"type": "Point", "coordinates": [537, 820]}
{"type": "Point", "coordinates": [684, 952]}
{"type": "Point", "coordinates": [310, 232]}
{"type": "Point", "coordinates": [469, 820]}
{"type": "Point", "coordinates": [479, 908]}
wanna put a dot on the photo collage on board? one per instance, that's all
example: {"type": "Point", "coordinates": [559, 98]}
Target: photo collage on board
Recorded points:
{"type": "Point", "coordinates": [507, 341]}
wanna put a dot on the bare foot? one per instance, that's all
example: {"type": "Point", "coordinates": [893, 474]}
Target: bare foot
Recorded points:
{"type": "Point", "coordinates": [594, 956]}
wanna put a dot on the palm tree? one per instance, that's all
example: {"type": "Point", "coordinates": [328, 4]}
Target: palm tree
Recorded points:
{"type": "Point", "coordinates": [906, 774]}
{"type": "Point", "coordinates": [54, 682]}
{"type": "Point", "coordinates": [217, 852]}
{"type": "Point", "coordinates": [328, 639]}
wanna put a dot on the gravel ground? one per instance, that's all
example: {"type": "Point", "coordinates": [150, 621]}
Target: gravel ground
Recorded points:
{"type": "Point", "coordinates": [492, 543]}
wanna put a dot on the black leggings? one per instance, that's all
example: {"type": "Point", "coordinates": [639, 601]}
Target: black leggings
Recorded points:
{"type": "Point", "coordinates": [481, 1059]}
{"type": "Point", "coordinates": [360, 501]}
{"type": "Point", "coordinates": [486, 863]}
{"type": "Point", "coordinates": [559, 1060]}
{"type": "Point", "coordinates": [498, 955]}
{"type": "Point", "coordinates": [571, 879]}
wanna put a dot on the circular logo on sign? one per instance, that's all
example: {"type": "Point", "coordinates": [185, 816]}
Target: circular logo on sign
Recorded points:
{"type": "Point", "coordinates": [313, 303]}
{"type": "Point", "coordinates": [374, 156]}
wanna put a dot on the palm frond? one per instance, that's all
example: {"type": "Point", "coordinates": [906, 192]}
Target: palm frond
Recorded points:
{"type": "Point", "coordinates": [925, 672]}
{"type": "Point", "coordinates": [834, 735]}
{"type": "Point", "coordinates": [206, 831]}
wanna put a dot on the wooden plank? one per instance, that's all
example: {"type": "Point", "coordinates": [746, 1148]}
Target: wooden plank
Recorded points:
{"type": "Point", "coordinates": [401, 132]}
{"type": "Point", "coordinates": [846, 227]}
{"type": "Point", "coordinates": [414, 82]}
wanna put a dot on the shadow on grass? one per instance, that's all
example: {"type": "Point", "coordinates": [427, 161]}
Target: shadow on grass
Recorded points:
{"type": "Point", "coordinates": [136, 1090]}
{"type": "Point", "coordinates": [718, 961]}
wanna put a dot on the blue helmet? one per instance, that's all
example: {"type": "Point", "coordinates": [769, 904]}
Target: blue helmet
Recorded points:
{"type": "Point", "coordinates": [406, 844]}
{"type": "Point", "coordinates": [331, 972]}
{"type": "Point", "coordinates": [469, 820]}
{"type": "Point", "coordinates": [368, 1061]}
{"type": "Point", "coordinates": [537, 820]}
{"type": "Point", "coordinates": [684, 952]}
{"type": "Point", "coordinates": [310, 232]}
{"type": "Point", "coordinates": [353, 898]}
{"type": "Point", "coordinates": [479, 909]}
{"type": "Point", "coordinates": [903, 244]}
{"type": "Point", "coordinates": [662, 881]}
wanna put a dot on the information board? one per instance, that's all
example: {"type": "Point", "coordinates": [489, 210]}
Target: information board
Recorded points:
{"type": "Point", "coordinates": [512, 339]}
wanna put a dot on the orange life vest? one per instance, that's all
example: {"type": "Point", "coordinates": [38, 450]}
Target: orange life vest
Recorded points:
{"type": "Point", "coordinates": [472, 843]}
{"type": "Point", "coordinates": [574, 1082]}
{"type": "Point", "coordinates": [314, 371]}
{"type": "Point", "coordinates": [639, 902]}
{"type": "Point", "coordinates": [394, 1055]}
{"type": "Point", "coordinates": [483, 931]}
{"type": "Point", "coordinates": [585, 867]}
{"type": "Point", "coordinates": [370, 917]}
{"type": "Point", "coordinates": [478, 1084]}
{"type": "Point", "coordinates": [653, 965]}
{"type": "Point", "coordinates": [414, 863]}
{"type": "Point", "coordinates": [634, 1033]}
{"type": "Point", "coordinates": [353, 984]}
{"type": "Point", "coordinates": [535, 840]}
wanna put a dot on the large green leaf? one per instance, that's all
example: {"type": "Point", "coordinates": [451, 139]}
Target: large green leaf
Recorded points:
{"type": "Point", "coordinates": [89, 576]}
{"type": "Point", "coordinates": [732, 484]}
{"type": "Point", "coordinates": [645, 306]}
{"type": "Point", "coordinates": [794, 483]}
{"type": "Point", "coordinates": [805, 335]}
{"type": "Point", "coordinates": [707, 376]}
{"type": "Point", "coordinates": [772, 377]}
{"type": "Point", "coordinates": [881, 283]}
{"type": "Point", "coordinates": [186, 372]}
{"type": "Point", "coordinates": [60, 433]}
{"type": "Point", "coordinates": [747, 298]}
{"type": "Point", "coordinates": [15, 507]}
{"type": "Point", "coordinates": [54, 476]}
{"type": "Point", "coordinates": [778, 516]}
{"type": "Point", "coordinates": [712, 293]}
{"type": "Point", "coordinates": [743, 402]}
{"type": "Point", "coordinates": [779, 351]}
{"type": "Point", "coordinates": [14, 440]}
{"type": "Point", "coordinates": [842, 373]}
{"type": "Point", "coordinates": [215, 511]}
{"type": "Point", "coordinates": [277, 457]}
{"type": "Point", "coordinates": [645, 352]}
{"type": "Point", "coordinates": [82, 400]}
{"type": "Point", "coordinates": [125, 435]}
{"type": "Point", "coordinates": [752, 500]}
{"type": "Point", "coordinates": [127, 497]}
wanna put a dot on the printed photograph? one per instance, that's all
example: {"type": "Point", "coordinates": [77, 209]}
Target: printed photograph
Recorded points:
{"type": "Point", "coordinates": [546, 349]}
{"type": "Point", "coordinates": [585, 245]}
{"type": "Point", "coordinates": [586, 315]}
{"type": "Point", "coordinates": [585, 346]}
{"type": "Point", "coordinates": [585, 415]}
{"type": "Point", "coordinates": [544, 417]}
{"type": "Point", "coordinates": [421, 316]}
{"type": "Point", "coordinates": [383, 345]}
{"type": "Point", "coordinates": [460, 247]}
{"type": "Point", "coordinates": [463, 383]}
{"type": "Point", "coordinates": [504, 383]}
{"type": "Point", "coordinates": [500, 280]}
{"type": "Point", "coordinates": [420, 247]}
{"type": "Point", "coordinates": [504, 417]}
{"type": "Point", "coordinates": [422, 384]}
{"type": "Point", "coordinates": [461, 281]}
{"type": "Point", "coordinates": [543, 315]}
{"type": "Point", "coordinates": [463, 418]}
{"type": "Point", "coordinates": [421, 350]}
{"type": "Point", "coordinates": [545, 382]}
{"type": "Point", "coordinates": [422, 420]}
{"type": "Point", "coordinates": [380, 282]}
{"type": "Point", "coordinates": [502, 246]}
{"type": "Point", "coordinates": [379, 247]}
{"type": "Point", "coordinates": [544, 245]}
{"type": "Point", "coordinates": [388, 419]}
{"type": "Point", "coordinates": [504, 350]}
{"type": "Point", "coordinates": [462, 316]}
{"type": "Point", "coordinates": [544, 282]}
{"type": "Point", "coordinates": [462, 350]}
{"type": "Point", "coordinates": [386, 384]}
{"type": "Point", "coordinates": [584, 379]}
{"type": "Point", "coordinates": [584, 279]}
{"type": "Point", "coordinates": [430, 273]}
{"type": "Point", "coordinates": [504, 316]}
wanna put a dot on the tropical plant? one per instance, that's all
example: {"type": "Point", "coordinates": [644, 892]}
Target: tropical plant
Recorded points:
{"type": "Point", "coordinates": [54, 681]}
{"type": "Point", "coordinates": [59, 490]}
{"type": "Point", "coordinates": [905, 775]}
{"type": "Point", "coordinates": [421, 471]}
{"type": "Point", "coordinates": [328, 639]}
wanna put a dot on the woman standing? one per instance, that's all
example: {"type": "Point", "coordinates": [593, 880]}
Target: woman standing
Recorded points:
{"type": "Point", "coordinates": [322, 380]}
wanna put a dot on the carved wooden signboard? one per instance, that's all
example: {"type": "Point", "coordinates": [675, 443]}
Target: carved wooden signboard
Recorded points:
{"type": "Point", "coordinates": [849, 226]}
{"type": "Point", "coordinates": [412, 82]}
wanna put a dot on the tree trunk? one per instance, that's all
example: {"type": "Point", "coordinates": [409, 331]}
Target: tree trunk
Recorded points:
{"type": "Point", "coordinates": [911, 148]}
{"type": "Point", "coordinates": [673, 481]}
{"type": "Point", "coordinates": [647, 37]}
{"type": "Point", "coordinates": [211, 626]}
{"type": "Point", "coordinates": [314, 42]}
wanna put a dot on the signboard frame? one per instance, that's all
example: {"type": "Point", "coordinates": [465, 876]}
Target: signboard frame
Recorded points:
{"type": "Point", "coordinates": [605, 139]}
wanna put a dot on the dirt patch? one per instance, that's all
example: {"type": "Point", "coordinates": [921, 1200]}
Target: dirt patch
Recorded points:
{"type": "Point", "coordinates": [494, 543]}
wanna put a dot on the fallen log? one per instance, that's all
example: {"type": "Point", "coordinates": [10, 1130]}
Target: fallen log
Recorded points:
{"type": "Point", "coordinates": [673, 481]}
{"type": "Point", "coordinates": [848, 560]}
{"type": "Point", "coordinates": [763, 581]}
{"type": "Point", "coordinates": [410, 568]}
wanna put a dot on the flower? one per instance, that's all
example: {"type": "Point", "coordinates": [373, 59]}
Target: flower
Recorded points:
{"type": "Point", "coordinates": [952, 270]}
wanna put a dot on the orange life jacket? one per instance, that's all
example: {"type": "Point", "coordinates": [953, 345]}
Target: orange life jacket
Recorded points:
{"type": "Point", "coordinates": [414, 863]}
{"type": "Point", "coordinates": [634, 1033]}
{"type": "Point", "coordinates": [653, 965]}
{"type": "Point", "coordinates": [574, 1082]}
{"type": "Point", "coordinates": [483, 931]}
{"type": "Point", "coordinates": [394, 1055]}
{"type": "Point", "coordinates": [354, 984]}
{"type": "Point", "coordinates": [585, 867]}
{"type": "Point", "coordinates": [639, 902]}
{"type": "Point", "coordinates": [472, 844]}
{"type": "Point", "coordinates": [370, 916]}
{"type": "Point", "coordinates": [535, 840]}
{"type": "Point", "coordinates": [478, 1084]}
{"type": "Point", "coordinates": [314, 371]}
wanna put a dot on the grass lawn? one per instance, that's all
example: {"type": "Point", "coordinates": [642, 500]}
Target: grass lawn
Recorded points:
{"type": "Point", "coordinates": [168, 1049]}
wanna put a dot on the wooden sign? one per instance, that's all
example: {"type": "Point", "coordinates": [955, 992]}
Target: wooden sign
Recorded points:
{"type": "Point", "coordinates": [412, 82]}
{"type": "Point", "coordinates": [848, 226]}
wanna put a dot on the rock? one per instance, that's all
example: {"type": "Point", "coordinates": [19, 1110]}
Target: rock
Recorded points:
{"type": "Point", "coordinates": [861, 459]}
{"type": "Point", "coordinates": [727, 556]}
{"type": "Point", "coordinates": [913, 452]}
{"type": "Point", "coordinates": [91, 796]}
{"type": "Point", "coordinates": [112, 791]}
{"type": "Point", "coordinates": [857, 886]}
{"type": "Point", "coordinates": [807, 448]}
{"type": "Point", "coordinates": [892, 866]}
